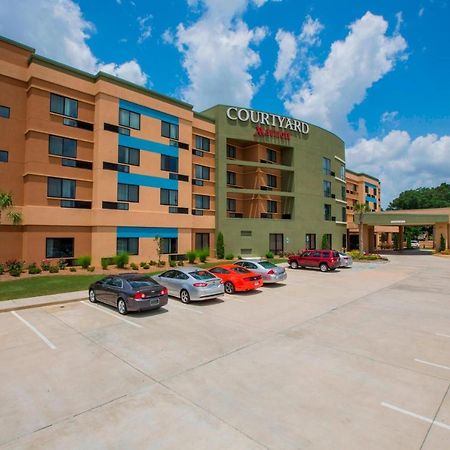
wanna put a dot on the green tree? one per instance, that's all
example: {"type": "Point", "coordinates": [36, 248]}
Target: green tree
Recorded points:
{"type": "Point", "coordinates": [434, 197]}
{"type": "Point", "coordinates": [396, 240]}
{"type": "Point", "coordinates": [220, 247]}
{"type": "Point", "coordinates": [6, 205]}
{"type": "Point", "coordinates": [442, 243]}
{"type": "Point", "coordinates": [360, 209]}
{"type": "Point", "coordinates": [157, 240]}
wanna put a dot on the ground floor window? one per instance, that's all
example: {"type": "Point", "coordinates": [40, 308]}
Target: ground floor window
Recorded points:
{"type": "Point", "coordinates": [327, 243]}
{"type": "Point", "coordinates": [59, 248]}
{"type": "Point", "coordinates": [344, 241]}
{"type": "Point", "coordinates": [310, 241]}
{"type": "Point", "coordinates": [128, 245]}
{"type": "Point", "coordinates": [201, 241]}
{"type": "Point", "coordinates": [276, 243]}
{"type": "Point", "coordinates": [169, 245]}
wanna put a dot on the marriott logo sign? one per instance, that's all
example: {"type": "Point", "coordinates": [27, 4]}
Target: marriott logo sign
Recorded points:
{"type": "Point", "coordinates": [271, 120]}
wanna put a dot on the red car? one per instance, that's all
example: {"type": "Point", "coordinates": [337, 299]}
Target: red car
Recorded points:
{"type": "Point", "coordinates": [237, 278]}
{"type": "Point", "coordinates": [323, 259]}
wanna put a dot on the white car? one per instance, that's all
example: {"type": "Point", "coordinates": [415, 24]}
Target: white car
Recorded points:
{"type": "Point", "coordinates": [345, 260]}
{"type": "Point", "coordinates": [415, 244]}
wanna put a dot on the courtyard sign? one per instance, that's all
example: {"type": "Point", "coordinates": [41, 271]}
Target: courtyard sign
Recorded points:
{"type": "Point", "coordinates": [263, 118]}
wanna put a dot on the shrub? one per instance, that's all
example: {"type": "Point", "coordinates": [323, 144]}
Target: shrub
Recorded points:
{"type": "Point", "coordinates": [180, 263]}
{"type": "Point", "coordinates": [45, 265]}
{"type": "Point", "coordinates": [105, 263]}
{"type": "Point", "coordinates": [146, 266]}
{"type": "Point", "coordinates": [15, 272]}
{"type": "Point", "coordinates": [203, 254]}
{"type": "Point", "coordinates": [73, 269]}
{"type": "Point", "coordinates": [324, 244]}
{"type": "Point", "coordinates": [2, 269]}
{"type": "Point", "coordinates": [153, 263]}
{"type": "Point", "coordinates": [91, 269]}
{"type": "Point", "coordinates": [142, 264]}
{"type": "Point", "coordinates": [134, 266]}
{"type": "Point", "coordinates": [172, 263]}
{"type": "Point", "coordinates": [161, 263]}
{"type": "Point", "coordinates": [220, 247]}
{"type": "Point", "coordinates": [408, 242]}
{"type": "Point", "coordinates": [62, 264]}
{"type": "Point", "coordinates": [14, 265]}
{"type": "Point", "coordinates": [269, 255]}
{"type": "Point", "coordinates": [33, 269]}
{"type": "Point", "coordinates": [442, 243]}
{"type": "Point", "coordinates": [121, 260]}
{"type": "Point", "coordinates": [53, 269]}
{"type": "Point", "coordinates": [230, 256]}
{"type": "Point", "coordinates": [84, 261]}
{"type": "Point", "coordinates": [191, 255]}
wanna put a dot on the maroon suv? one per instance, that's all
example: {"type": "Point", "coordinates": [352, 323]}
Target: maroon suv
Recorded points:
{"type": "Point", "coordinates": [323, 259]}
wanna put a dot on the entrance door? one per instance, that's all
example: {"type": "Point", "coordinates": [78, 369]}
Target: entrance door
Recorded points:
{"type": "Point", "coordinates": [276, 243]}
{"type": "Point", "coordinates": [201, 241]}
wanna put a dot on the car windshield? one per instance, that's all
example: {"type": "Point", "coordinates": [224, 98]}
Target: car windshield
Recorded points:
{"type": "Point", "coordinates": [202, 275]}
{"type": "Point", "coordinates": [240, 270]}
{"type": "Point", "coordinates": [342, 254]}
{"type": "Point", "coordinates": [267, 264]}
{"type": "Point", "coordinates": [141, 282]}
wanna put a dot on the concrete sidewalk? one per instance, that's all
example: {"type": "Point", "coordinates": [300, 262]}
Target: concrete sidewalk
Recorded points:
{"type": "Point", "coordinates": [43, 300]}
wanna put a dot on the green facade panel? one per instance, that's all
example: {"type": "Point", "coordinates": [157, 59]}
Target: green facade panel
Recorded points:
{"type": "Point", "coordinates": [302, 186]}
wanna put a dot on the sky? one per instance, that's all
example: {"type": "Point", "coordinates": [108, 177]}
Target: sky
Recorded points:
{"type": "Point", "coordinates": [376, 73]}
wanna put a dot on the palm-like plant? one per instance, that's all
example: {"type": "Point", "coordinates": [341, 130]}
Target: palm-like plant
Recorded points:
{"type": "Point", "coordinates": [6, 204]}
{"type": "Point", "coordinates": [360, 209]}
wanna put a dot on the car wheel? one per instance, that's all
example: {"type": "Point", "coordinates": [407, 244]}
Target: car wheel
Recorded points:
{"type": "Point", "coordinates": [333, 269]}
{"type": "Point", "coordinates": [323, 267]}
{"type": "Point", "coordinates": [122, 306]}
{"type": "Point", "coordinates": [92, 297]}
{"type": "Point", "coordinates": [229, 287]}
{"type": "Point", "coordinates": [184, 296]}
{"type": "Point", "coordinates": [293, 264]}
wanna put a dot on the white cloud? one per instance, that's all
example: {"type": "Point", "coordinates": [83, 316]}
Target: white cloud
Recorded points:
{"type": "Point", "coordinates": [401, 162]}
{"type": "Point", "coordinates": [217, 54]}
{"type": "Point", "coordinates": [310, 31]}
{"type": "Point", "coordinates": [287, 44]}
{"type": "Point", "coordinates": [421, 11]}
{"type": "Point", "coordinates": [389, 116]}
{"type": "Point", "coordinates": [58, 30]}
{"type": "Point", "coordinates": [353, 65]}
{"type": "Point", "coordinates": [144, 28]}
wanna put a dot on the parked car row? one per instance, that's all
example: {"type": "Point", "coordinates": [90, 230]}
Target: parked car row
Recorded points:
{"type": "Point", "coordinates": [134, 292]}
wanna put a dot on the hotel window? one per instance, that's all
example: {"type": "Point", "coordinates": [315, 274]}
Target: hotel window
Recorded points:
{"type": "Point", "coordinates": [271, 206]}
{"type": "Point", "coordinates": [375, 191]}
{"type": "Point", "coordinates": [276, 243]}
{"type": "Point", "coordinates": [202, 143]}
{"type": "Point", "coordinates": [343, 193]}
{"type": "Point", "coordinates": [3, 156]}
{"type": "Point", "coordinates": [5, 112]}
{"type": "Point", "coordinates": [327, 188]}
{"type": "Point", "coordinates": [327, 212]}
{"type": "Point", "coordinates": [326, 165]}
{"type": "Point", "coordinates": [231, 204]}
{"type": "Point", "coordinates": [127, 193]}
{"type": "Point", "coordinates": [128, 245]}
{"type": "Point", "coordinates": [344, 214]}
{"type": "Point", "coordinates": [342, 172]}
{"type": "Point", "coordinates": [169, 163]}
{"type": "Point", "coordinates": [60, 188]}
{"type": "Point", "coordinates": [231, 178]}
{"type": "Point", "coordinates": [129, 119]}
{"type": "Point", "coordinates": [169, 245]}
{"type": "Point", "coordinates": [59, 247]}
{"type": "Point", "coordinates": [129, 155]}
{"type": "Point", "coordinates": [63, 105]}
{"type": "Point", "coordinates": [271, 155]}
{"type": "Point", "coordinates": [62, 146]}
{"type": "Point", "coordinates": [231, 151]}
{"type": "Point", "coordinates": [201, 241]}
{"type": "Point", "coordinates": [169, 130]}
{"type": "Point", "coordinates": [168, 197]}
{"type": "Point", "coordinates": [310, 241]}
{"type": "Point", "coordinates": [202, 172]}
{"type": "Point", "coordinates": [202, 201]}
{"type": "Point", "coordinates": [329, 241]}
{"type": "Point", "coordinates": [271, 180]}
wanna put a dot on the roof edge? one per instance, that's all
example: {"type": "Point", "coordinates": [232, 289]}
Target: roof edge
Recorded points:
{"type": "Point", "coordinates": [360, 174]}
{"type": "Point", "coordinates": [17, 44]}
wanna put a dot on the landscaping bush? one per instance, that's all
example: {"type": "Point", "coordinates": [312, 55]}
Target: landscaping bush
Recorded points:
{"type": "Point", "coordinates": [203, 254]}
{"type": "Point", "coordinates": [105, 263]}
{"type": "Point", "coordinates": [142, 264]}
{"type": "Point", "coordinates": [146, 266]}
{"type": "Point", "coordinates": [15, 272]}
{"type": "Point", "coordinates": [2, 269]}
{"type": "Point", "coordinates": [84, 261]}
{"type": "Point", "coordinates": [220, 247]}
{"type": "Point", "coordinates": [73, 269]}
{"type": "Point", "coordinates": [33, 269]}
{"type": "Point", "coordinates": [161, 263]}
{"type": "Point", "coordinates": [191, 255]}
{"type": "Point", "coordinates": [53, 269]}
{"type": "Point", "coordinates": [134, 266]}
{"type": "Point", "coordinates": [172, 263]}
{"type": "Point", "coordinates": [121, 260]}
{"type": "Point", "coordinates": [153, 263]}
{"type": "Point", "coordinates": [442, 243]}
{"type": "Point", "coordinates": [62, 264]}
{"type": "Point", "coordinates": [408, 242]}
{"type": "Point", "coordinates": [45, 265]}
{"type": "Point", "coordinates": [91, 269]}
{"type": "Point", "coordinates": [269, 255]}
{"type": "Point", "coordinates": [180, 263]}
{"type": "Point", "coordinates": [14, 267]}
{"type": "Point", "coordinates": [230, 256]}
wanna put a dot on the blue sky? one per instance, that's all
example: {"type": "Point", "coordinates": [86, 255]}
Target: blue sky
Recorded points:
{"type": "Point", "coordinates": [375, 72]}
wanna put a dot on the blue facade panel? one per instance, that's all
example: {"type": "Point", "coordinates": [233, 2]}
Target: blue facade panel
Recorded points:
{"type": "Point", "coordinates": [149, 146]}
{"type": "Point", "coordinates": [147, 180]}
{"type": "Point", "coordinates": [370, 185]}
{"type": "Point", "coordinates": [371, 199]}
{"type": "Point", "coordinates": [146, 232]}
{"type": "Point", "coordinates": [155, 114]}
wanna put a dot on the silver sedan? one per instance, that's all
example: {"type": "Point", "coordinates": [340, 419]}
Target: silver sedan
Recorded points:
{"type": "Point", "coordinates": [191, 283]}
{"type": "Point", "coordinates": [345, 260]}
{"type": "Point", "coordinates": [270, 272]}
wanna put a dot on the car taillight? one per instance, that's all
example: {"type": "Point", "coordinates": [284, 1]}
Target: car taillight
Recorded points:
{"type": "Point", "coordinates": [270, 272]}
{"type": "Point", "coordinates": [221, 282]}
{"type": "Point", "coordinates": [163, 292]}
{"type": "Point", "coordinates": [139, 295]}
{"type": "Point", "coordinates": [200, 284]}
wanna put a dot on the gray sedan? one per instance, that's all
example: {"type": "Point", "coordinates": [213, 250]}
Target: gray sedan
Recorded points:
{"type": "Point", "coordinates": [345, 260]}
{"type": "Point", "coordinates": [270, 272]}
{"type": "Point", "coordinates": [191, 283]}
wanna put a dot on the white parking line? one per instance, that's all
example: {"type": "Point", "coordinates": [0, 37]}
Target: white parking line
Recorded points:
{"type": "Point", "coordinates": [187, 308]}
{"type": "Point", "coordinates": [432, 364]}
{"type": "Point", "coordinates": [34, 330]}
{"type": "Point", "coordinates": [112, 314]}
{"type": "Point", "coordinates": [443, 335]}
{"type": "Point", "coordinates": [416, 416]}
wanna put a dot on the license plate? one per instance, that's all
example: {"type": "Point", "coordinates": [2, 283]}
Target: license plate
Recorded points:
{"type": "Point", "coordinates": [154, 302]}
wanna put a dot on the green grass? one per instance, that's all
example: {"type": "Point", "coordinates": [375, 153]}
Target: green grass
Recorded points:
{"type": "Point", "coordinates": [45, 285]}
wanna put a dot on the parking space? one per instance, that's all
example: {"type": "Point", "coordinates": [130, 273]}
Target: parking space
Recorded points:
{"type": "Point", "coordinates": [356, 358]}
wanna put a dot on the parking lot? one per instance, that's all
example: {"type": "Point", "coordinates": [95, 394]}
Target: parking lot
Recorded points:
{"type": "Point", "coordinates": [353, 359]}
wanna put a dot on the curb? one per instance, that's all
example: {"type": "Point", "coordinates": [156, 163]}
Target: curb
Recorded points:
{"type": "Point", "coordinates": [38, 302]}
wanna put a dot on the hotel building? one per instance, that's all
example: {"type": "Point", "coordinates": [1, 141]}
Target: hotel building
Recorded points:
{"type": "Point", "coordinates": [98, 166]}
